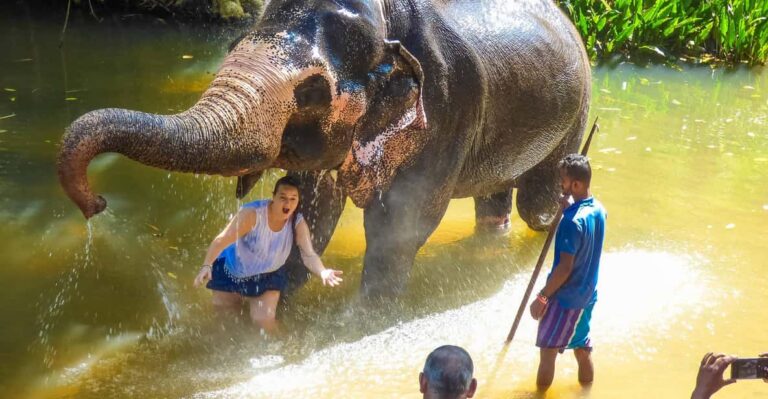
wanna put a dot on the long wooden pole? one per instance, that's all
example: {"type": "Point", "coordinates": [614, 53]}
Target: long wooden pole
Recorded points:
{"type": "Point", "coordinates": [547, 243]}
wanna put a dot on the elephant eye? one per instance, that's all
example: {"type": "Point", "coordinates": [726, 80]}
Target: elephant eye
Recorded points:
{"type": "Point", "coordinates": [313, 91]}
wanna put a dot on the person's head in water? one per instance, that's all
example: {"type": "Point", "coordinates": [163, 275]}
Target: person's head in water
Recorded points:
{"type": "Point", "coordinates": [448, 374]}
{"type": "Point", "coordinates": [285, 196]}
{"type": "Point", "coordinates": [575, 176]}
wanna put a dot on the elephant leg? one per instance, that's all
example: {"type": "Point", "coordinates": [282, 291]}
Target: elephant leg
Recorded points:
{"type": "Point", "coordinates": [396, 226]}
{"type": "Point", "coordinates": [492, 211]}
{"type": "Point", "coordinates": [321, 202]}
{"type": "Point", "coordinates": [538, 189]}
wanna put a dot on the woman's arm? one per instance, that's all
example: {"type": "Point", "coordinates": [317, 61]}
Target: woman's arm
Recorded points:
{"type": "Point", "coordinates": [308, 255]}
{"type": "Point", "coordinates": [311, 259]}
{"type": "Point", "coordinates": [240, 225]}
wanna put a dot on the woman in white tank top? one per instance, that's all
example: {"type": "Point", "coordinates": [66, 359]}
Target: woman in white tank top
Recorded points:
{"type": "Point", "coordinates": [245, 261]}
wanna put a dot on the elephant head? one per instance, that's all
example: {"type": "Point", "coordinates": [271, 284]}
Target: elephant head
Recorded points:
{"type": "Point", "coordinates": [315, 85]}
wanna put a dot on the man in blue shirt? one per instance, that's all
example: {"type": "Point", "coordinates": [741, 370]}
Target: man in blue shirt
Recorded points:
{"type": "Point", "coordinates": [564, 306]}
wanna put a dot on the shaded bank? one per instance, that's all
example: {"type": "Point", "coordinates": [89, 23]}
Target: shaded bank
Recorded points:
{"type": "Point", "coordinates": [176, 10]}
{"type": "Point", "coordinates": [694, 31]}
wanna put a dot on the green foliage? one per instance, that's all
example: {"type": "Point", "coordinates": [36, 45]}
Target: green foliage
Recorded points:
{"type": "Point", "coordinates": [702, 30]}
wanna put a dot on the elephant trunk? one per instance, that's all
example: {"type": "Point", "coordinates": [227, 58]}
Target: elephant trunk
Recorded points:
{"type": "Point", "coordinates": [235, 128]}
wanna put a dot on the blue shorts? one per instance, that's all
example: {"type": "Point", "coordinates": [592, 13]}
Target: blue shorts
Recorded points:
{"type": "Point", "coordinates": [223, 280]}
{"type": "Point", "coordinates": [563, 328]}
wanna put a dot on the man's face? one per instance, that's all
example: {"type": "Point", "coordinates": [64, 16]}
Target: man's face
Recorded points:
{"type": "Point", "coordinates": [286, 199]}
{"type": "Point", "coordinates": [566, 183]}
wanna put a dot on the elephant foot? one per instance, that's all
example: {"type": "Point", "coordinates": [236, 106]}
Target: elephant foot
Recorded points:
{"type": "Point", "coordinates": [492, 224]}
{"type": "Point", "coordinates": [538, 190]}
{"type": "Point", "coordinates": [539, 221]}
{"type": "Point", "coordinates": [537, 202]}
{"type": "Point", "coordinates": [537, 194]}
{"type": "Point", "coordinates": [492, 211]}
{"type": "Point", "coordinates": [385, 280]}
{"type": "Point", "coordinates": [376, 294]}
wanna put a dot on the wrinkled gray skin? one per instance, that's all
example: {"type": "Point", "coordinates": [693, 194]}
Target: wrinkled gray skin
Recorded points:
{"type": "Point", "coordinates": [410, 102]}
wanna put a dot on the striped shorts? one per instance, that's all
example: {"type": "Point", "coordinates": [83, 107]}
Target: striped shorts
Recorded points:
{"type": "Point", "coordinates": [563, 328]}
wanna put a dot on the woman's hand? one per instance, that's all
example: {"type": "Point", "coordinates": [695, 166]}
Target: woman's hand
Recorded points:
{"type": "Point", "coordinates": [203, 276]}
{"type": "Point", "coordinates": [331, 277]}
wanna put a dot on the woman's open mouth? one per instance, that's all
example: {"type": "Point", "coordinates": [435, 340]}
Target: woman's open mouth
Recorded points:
{"type": "Point", "coordinates": [286, 211]}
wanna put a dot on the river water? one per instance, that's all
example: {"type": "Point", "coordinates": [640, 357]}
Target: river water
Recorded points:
{"type": "Point", "coordinates": [106, 309]}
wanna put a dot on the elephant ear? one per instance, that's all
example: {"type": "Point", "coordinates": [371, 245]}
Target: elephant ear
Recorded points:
{"type": "Point", "coordinates": [393, 129]}
{"type": "Point", "coordinates": [420, 120]}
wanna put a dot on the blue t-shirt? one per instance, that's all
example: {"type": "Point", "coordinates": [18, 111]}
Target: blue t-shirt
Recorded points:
{"type": "Point", "coordinates": [580, 233]}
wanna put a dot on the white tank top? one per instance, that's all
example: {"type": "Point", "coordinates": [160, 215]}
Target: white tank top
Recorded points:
{"type": "Point", "coordinates": [261, 250]}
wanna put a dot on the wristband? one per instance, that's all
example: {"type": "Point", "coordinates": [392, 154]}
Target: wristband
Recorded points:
{"type": "Point", "coordinates": [542, 298]}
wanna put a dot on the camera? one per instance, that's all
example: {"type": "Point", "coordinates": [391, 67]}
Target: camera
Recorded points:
{"type": "Point", "coordinates": [749, 368]}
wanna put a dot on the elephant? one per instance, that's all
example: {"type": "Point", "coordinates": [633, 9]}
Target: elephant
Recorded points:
{"type": "Point", "coordinates": [399, 105]}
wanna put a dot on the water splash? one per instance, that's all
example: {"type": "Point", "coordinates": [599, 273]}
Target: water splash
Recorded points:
{"type": "Point", "coordinates": [392, 358]}
{"type": "Point", "coordinates": [168, 295]}
{"type": "Point", "coordinates": [66, 288]}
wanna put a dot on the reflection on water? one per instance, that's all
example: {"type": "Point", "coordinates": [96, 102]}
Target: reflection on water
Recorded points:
{"type": "Point", "coordinates": [680, 165]}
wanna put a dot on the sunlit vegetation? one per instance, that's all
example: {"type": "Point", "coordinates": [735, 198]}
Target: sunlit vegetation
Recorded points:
{"type": "Point", "coordinates": [706, 31]}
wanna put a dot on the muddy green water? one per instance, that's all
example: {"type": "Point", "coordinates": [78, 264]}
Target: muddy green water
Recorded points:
{"type": "Point", "coordinates": [107, 309]}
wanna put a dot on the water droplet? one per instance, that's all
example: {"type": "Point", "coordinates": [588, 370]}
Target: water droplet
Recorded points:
{"type": "Point", "coordinates": [730, 226]}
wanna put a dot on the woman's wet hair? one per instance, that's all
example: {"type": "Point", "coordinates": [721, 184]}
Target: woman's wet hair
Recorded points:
{"type": "Point", "coordinates": [291, 181]}
{"type": "Point", "coordinates": [576, 166]}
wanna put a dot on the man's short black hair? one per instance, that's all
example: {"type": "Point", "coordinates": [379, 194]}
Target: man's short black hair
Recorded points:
{"type": "Point", "coordinates": [576, 166]}
{"type": "Point", "coordinates": [448, 370]}
{"type": "Point", "coordinates": [291, 181]}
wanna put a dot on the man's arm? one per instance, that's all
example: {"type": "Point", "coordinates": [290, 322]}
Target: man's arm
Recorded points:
{"type": "Point", "coordinates": [568, 242]}
{"type": "Point", "coordinates": [710, 378]}
{"type": "Point", "coordinates": [560, 275]}
{"type": "Point", "coordinates": [556, 280]}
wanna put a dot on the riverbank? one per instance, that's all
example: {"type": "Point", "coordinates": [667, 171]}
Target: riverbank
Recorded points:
{"type": "Point", "coordinates": [182, 11]}
{"type": "Point", "coordinates": [715, 31]}
{"type": "Point", "coordinates": [720, 32]}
